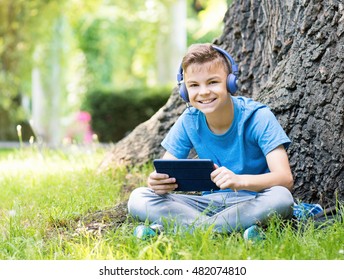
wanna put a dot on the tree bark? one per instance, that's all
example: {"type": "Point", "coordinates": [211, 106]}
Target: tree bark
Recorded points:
{"type": "Point", "coordinates": [290, 55]}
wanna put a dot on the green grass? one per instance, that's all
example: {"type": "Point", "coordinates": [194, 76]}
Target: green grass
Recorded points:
{"type": "Point", "coordinates": [43, 195]}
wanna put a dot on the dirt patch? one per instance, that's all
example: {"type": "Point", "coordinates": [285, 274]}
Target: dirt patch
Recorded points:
{"type": "Point", "coordinates": [108, 219]}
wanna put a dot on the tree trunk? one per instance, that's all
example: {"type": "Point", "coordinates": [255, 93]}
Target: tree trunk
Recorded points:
{"type": "Point", "coordinates": [290, 55]}
{"type": "Point", "coordinates": [47, 91]}
{"type": "Point", "coordinates": [171, 44]}
{"type": "Point", "coordinates": [143, 143]}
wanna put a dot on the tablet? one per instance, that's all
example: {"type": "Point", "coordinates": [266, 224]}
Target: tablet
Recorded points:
{"type": "Point", "coordinates": [190, 174]}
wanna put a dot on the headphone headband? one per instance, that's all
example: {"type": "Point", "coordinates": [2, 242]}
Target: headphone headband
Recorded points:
{"type": "Point", "coordinates": [234, 66]}
{"type": "Point", "coordinates": [232, 86]}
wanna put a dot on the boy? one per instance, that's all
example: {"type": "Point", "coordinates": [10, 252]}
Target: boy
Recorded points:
{"type": "Point", "coordinates": [241, 136]}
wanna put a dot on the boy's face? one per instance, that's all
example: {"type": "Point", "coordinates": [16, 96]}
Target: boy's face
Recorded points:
{"type": "Point", "coordinates": [206, 85]}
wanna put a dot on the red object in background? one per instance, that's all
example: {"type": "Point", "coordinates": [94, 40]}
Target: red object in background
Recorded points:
{"type": "Point", "coordinates": [84, 118]}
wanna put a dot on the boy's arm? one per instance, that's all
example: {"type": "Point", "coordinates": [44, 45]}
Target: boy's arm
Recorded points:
{"type": "Point", "coordinates": [279, 175]}
{"type": "Point", "coordinates": [168, 155]}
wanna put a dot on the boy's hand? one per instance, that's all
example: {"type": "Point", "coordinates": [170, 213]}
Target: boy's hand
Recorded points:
{"type": "Point", "coordinates": [161, 183]}
{"type": "Point", "coordinates": [224, 178]}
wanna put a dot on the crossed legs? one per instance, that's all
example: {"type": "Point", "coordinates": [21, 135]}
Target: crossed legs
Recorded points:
{"type": "Point", "coordinates": [227, 211]}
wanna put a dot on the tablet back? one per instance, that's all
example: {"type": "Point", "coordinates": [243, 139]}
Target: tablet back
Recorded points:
{"type": "Point", "coordinates": [190, 174]}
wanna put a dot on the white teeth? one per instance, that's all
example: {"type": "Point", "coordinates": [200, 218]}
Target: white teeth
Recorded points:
{"type": "Point", "coordinates": [207, 101]}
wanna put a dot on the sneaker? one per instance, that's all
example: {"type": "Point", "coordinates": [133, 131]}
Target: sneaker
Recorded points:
{"type": "Point", "coordinates": [144, 232]}
{"type": "Point", "coordinates": [253, 233]}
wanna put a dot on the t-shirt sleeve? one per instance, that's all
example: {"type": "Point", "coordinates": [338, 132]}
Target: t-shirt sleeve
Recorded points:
{"type": "Point", "coordinates": [177, 141]}
{"type": "Point", "coordinates": [267, 131]}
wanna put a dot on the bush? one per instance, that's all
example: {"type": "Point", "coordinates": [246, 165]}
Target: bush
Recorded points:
{"type": "Point", "coordinates": [115, 114]}
{"type": "Point", "coordinates": [9, 119]}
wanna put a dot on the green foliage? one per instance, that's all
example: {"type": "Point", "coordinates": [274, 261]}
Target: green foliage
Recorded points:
{"type": "Point", "coordinates": [93, 44]}
{"type": "Point", "coordinates": [20, 22]}
{"type": "Point", "coordinates": [26, 33]}
{"type": "Point", "coordinates": [120, 40]}
{"type": "Point", "coordinates": [24, 25]}
{"type": "Point", "coordinates": [205, 20]}
{"type": "Point", "coordinates": [114, 114]}
{"type": "Point", "coordinates": [118, 43]}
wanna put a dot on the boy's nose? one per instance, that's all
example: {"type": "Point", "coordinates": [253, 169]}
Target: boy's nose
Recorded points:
{"type": "Point", "coordinates": [204, 90]}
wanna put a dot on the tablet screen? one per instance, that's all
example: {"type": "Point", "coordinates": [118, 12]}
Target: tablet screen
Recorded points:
{"type": "Point", "coordinates": [190, 174]}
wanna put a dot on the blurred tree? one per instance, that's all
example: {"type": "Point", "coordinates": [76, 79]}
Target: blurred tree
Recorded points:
{"type": "Point", "coordinates": [171, 41]}
{"type": "Point", "coordinates": [17, 28]}
{"type": "Point", "coordinates": [140, 43]}
{"type": "Point", "coordinates": [47, 80]}
{"type": "Point", "coordinates": [28, 28]}
{"type": "Point", "coordinates": [205, 20]}
{"type": "Point", "coordinates": [60, 49]}
{"type": "Point", "coordinates": [121, 38]}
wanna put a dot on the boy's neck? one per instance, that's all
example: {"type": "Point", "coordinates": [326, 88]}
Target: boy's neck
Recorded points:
{"type": "Point", "coordinates": [220, 121]}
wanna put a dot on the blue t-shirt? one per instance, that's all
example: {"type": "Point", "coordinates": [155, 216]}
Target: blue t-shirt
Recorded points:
{"type": "Point", "coordinates": [254, 133]}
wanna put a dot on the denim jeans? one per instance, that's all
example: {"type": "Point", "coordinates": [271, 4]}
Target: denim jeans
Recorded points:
{"type": "Point", "coordinates": [226, 211]}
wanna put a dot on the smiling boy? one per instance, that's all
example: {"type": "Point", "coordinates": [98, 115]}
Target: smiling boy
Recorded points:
{"type": "Point", "coordinates": [241, 136]}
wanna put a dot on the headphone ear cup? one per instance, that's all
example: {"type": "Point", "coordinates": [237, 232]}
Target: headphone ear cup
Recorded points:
{"type": "Point", "coordinates": [183, 92]}
{"type": "Point", "coordinates": [232, 85]}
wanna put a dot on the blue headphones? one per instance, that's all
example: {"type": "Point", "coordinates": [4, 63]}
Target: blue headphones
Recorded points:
{"type": "Point", "coordinates": [232, 78]}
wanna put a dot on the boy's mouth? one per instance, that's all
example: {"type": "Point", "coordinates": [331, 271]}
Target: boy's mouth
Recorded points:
{"type": "Point", "coordinates": [207, 101]}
